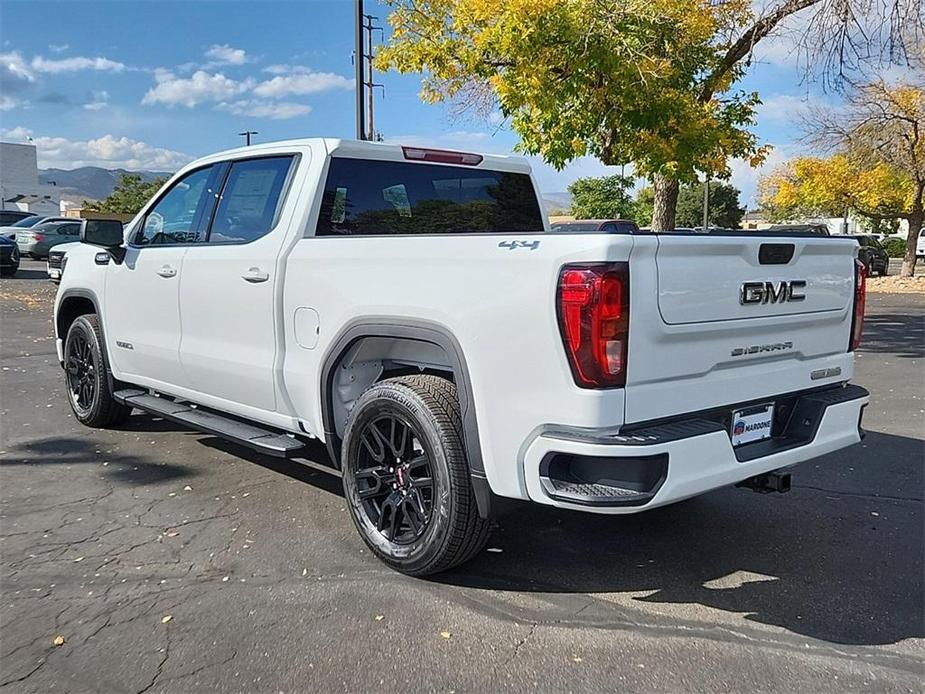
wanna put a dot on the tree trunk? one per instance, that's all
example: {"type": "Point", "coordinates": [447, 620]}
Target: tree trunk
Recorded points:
{"type": "Point", "coordinates": [666, 203]}
{"type": "Point", "coordinates": [915, 228]}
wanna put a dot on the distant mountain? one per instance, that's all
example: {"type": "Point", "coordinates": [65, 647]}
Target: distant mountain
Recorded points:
{"type": "Point", "coordinates": [90, 182]}
{"type": "Point", "coordinates": [556, 201]}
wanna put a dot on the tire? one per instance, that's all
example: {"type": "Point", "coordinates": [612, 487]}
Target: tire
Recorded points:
{"type": "Point", "coordinates": [407, 486]}
{"type": "Point", "coordinates": [14, 264]}
{"type": "Point", "coordinates": [88, 378]}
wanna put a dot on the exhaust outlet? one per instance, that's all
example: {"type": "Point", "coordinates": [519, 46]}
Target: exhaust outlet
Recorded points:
{"type": "Point", "coordinates": [768, 482]}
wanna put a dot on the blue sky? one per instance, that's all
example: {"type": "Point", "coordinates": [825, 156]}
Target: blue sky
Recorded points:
{"type": "Point", "coordinates": [154, 84]}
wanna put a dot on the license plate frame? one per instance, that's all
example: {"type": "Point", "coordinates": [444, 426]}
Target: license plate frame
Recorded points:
{"type": "Point", "coordinates": [751, 424]}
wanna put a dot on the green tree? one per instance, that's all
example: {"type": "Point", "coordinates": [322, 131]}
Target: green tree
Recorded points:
{"type": "Point", "coordinates": [644, 204]}
{"type": "Point", "coordinates": [724, 205]}
{"type": "Point", "coordinates": [644, 81]}
{"type": "Point", "coordinates": [129, 195]}
{"type": "Point", "coordinates": [606, 197]}
{"type": "Point", "coordinates": [877, 168]}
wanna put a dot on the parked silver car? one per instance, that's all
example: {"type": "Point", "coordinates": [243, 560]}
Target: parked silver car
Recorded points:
{"type": "Point", "coordinates": [35, 242]}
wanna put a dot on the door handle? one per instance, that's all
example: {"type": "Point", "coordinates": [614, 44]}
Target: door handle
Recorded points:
{"type": "Point", "coordinates": [167, 271]}
{"type": "Point", "coordinates": [255, 274]}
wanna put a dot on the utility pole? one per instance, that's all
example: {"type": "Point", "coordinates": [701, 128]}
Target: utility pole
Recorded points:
{"type": "Point", "coordinates": [247, 136]}
{"type": "Point", "coordinates": [360, 78]}
{"type": "Point", "coordinates": [706, 202]}
{"type": "Point", "coordinates": [369, 27]}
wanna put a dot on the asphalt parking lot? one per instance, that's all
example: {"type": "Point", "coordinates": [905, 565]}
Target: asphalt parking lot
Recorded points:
{"type": "Point", "coordinates": [169, 561]}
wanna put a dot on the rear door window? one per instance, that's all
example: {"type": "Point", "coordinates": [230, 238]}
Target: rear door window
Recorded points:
{"type": "Point", "coordinates": [250, 199]}
{"type": "Point", "coordinates": [366, 197]}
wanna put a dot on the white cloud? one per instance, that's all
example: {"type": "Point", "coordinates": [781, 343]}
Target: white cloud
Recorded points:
{"type": "Point", "coordinates": [97, 101]}
{"type": "Point", "coordinates": [200, 87]}
{"type": "Point", "coordinates": [107, 151]}
{"type": "Point", "coordinates": [307, 82]}
{"type": "Point", "coordinates": [225, 55]}
{"type": "Point", "coordinates": [260, 109]}
{"type": "Point", "coordinates": [58, 48]}
{"type": "Point", "coordinates": [781, 108]}
{"type": "Point", "coordinates": [8, 103]}
{"type": "Point", "coordinates": [17, 134]}
{"type": "Point", "coordinates": [15, 73]}
{"type": "Point", "coordinates": [745, 178]}
{"type": "Point", "coordinates": [54, 67]}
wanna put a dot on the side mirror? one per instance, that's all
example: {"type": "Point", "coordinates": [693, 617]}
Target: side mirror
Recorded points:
{"type": "Point", "coordinates": [105, 233]}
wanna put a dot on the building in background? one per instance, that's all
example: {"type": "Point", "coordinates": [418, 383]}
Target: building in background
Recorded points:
{"type": "Point", "coordinates": [19, 181]}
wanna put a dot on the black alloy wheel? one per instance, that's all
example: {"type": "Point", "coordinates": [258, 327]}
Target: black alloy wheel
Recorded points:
{"type": "Point", "coordinates": [87, 376]}
{"type": "Point", "coordinates": [406, 476]}
{"type": "Point", "coordinates": [394, 479]}
{"type": "Point", "coordinates": [81, 368]}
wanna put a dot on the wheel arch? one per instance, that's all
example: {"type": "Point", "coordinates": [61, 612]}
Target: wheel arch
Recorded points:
{"type": "Point", "coordinates": [74, 303]}
{"type": "Point", "coordinates": [425, 345]}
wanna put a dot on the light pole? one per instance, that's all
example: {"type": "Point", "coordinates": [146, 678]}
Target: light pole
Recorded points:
{"type": "Point", "coordinates": [247, 136]}
{"type": "Point", "coordinates": [360, 76]}
{"type": "Point", "coordinates": [706, 202]}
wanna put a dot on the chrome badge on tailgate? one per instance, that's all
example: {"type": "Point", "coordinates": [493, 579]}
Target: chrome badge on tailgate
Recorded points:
{"type": "Point", "coordinates": [771, 292]}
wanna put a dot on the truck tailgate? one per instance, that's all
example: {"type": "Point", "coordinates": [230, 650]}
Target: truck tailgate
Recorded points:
{"type": "Point", "coordinates": [700, 279]}
{"type": "Point", "coordinates": [720, 320]}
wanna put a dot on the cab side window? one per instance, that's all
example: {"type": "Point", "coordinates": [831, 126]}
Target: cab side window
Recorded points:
{"type": "Point", "coordinates": [178, 216]}
{"type": "Point", "coordinates": [249, 200]}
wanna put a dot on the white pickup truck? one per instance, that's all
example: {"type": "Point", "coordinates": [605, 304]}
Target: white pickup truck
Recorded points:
{"type": "Point", "coordinates": [411, 309]}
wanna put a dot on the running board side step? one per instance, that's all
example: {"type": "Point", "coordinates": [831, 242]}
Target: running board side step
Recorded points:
{"type": "Point", "coordinates": [263, 440]}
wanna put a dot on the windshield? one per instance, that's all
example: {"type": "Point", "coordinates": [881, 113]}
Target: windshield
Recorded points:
{"type": "Point", "coordinates": [27, 222]}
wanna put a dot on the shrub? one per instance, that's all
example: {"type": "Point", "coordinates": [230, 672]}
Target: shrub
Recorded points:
{"type": "Point", "coordinates": [895, 248]}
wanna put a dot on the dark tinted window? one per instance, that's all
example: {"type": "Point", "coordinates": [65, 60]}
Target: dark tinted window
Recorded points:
{"type": "Point", "coordinates": [28, 222]}
{"type": "Point", "coordinates": [384, 197]}
{"type": "Point", "coordinates": [177, 216]}
{"type": "Point", "coordinates": [578, 226]}
{"type": "Point", "coordinates": [247, 207]}
{"type": "Point", "coordinates": [9, 216]}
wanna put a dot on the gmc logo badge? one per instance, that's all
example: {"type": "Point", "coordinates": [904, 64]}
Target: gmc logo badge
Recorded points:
{"type": "Point", "coordinates": [771, 292]}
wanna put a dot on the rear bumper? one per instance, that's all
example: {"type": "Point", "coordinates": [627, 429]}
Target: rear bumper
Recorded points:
{"type": "Point", "coordinates": [665, 463]}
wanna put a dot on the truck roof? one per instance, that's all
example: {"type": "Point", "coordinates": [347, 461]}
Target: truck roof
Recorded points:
{"type": "Point", "coordinates": [364, 149]}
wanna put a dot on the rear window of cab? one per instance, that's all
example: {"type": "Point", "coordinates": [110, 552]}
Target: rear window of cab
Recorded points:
{"type": "Point", "coordinates": [375, 198]}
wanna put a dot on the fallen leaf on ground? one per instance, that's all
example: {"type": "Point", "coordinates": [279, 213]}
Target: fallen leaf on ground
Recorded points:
{"type": "Point", "coordinates": [166, 618]}
{"type": "Point", "coordinates": [380, 617]}
{"type": "Point", "coordinates": [445, 634]}
{"type": "Point", "coordinates": [576, 658]}
{"type": "Point", "coordinates": [59, 640]}
{"type": "Point", "coordinates": [78, 559]}
{"type": "Point", "coordinates": [187, 488]}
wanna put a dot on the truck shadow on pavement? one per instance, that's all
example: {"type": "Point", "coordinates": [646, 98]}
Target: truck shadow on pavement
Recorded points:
{"type": "Point", "coordinates": [65, 450]}
{"type": "Point", "coordinates": [27, 274]}
{"type": "Point", "coordinates": [839, 558]}
{"type": "Point", "coordinates": [896, 334]}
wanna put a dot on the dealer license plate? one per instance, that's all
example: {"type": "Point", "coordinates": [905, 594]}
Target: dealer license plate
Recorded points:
{"type": "Point", "coordinates": [752, 424]}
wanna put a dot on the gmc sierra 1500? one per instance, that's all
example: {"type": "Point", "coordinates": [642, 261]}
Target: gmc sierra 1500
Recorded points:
{"type": "Point", "coordinates": [410, 308]}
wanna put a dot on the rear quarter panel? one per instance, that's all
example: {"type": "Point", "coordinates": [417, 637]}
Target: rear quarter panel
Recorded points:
{"type": "Point", "coordinates": [497, 302]}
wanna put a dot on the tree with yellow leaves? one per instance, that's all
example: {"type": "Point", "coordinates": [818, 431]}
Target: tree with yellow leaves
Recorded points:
{"type": "Point", "coordinates": [877, 165]}
{"type": "Point", "coordinates": [648, 82]}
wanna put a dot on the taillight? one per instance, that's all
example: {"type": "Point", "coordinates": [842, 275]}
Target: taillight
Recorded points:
{"type": "Point", "coordinates": [593, 303]}
{"type": "Point", "coordinates": [860, 300]}
{"type": "Point", "coordinates": [38, 237]}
